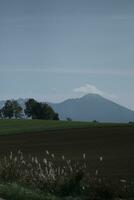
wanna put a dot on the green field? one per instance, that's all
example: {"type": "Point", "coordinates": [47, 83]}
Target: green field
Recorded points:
{"type": "Point", "coordinates": [27, 126]}
{"type": "Point", "coordinates": [30, 126]}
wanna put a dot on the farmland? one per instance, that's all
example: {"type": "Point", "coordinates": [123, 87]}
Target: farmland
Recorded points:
{"type": "Point", "coordinates": [114, 142]}
{"type": "Point", "coordinates": [32, 126]}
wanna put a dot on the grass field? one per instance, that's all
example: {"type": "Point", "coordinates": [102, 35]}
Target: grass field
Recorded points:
{"type": "Point", "coordinates": [30, 126]}
{"type": "Point", "coordinates": [114, 142]}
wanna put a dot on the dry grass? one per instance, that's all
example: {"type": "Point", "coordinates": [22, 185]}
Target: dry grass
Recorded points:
{"type": "Point", "coordinates": [67, 179]}
{"type": "Point", "coordinates": [45, 175]}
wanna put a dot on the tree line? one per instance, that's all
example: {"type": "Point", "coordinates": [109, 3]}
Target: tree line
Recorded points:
{"type": "Point", "coordinates": [33, 109]}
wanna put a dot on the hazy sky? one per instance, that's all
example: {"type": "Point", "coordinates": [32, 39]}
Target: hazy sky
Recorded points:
{"type": "Point", "coordinates": [55, 49]}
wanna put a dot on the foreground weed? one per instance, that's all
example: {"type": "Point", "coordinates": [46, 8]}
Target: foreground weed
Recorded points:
{"type": "Point", "coordinates": [67, 180]}
{"type": "Point", "coordinates": [46, 175]}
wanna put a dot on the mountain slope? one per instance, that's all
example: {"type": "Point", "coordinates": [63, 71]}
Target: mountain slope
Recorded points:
{"type": "Point", "coordinates": [88, 108]}
{"type": "Point", "coordinates": [93, 107]}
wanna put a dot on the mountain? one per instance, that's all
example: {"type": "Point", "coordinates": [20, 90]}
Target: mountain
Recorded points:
{"type": "Point", "coordinates": [88, 108]}
{"type": "Point", "coordinates": [93, 107]}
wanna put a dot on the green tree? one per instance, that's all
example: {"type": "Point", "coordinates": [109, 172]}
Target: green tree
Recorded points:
{"type": "Point", "coordinates": [69, 119]}
{"type": "Point", "coordinates": [17, 110]}
{"type": "Point", "coordinates": [37, 110]}
{"type": "Point", "coordinates": [31, 107]}
{"type": "Point", "coordinates": [48, 112]}
{"type": "Point", "coordinates": [1, 114]}
{"type": "Point", "coordinates": [56, 116]}
{"type": "Point", "coordinates": [7, 110]}
{"type": "Point", "coordinates": [11, 109]}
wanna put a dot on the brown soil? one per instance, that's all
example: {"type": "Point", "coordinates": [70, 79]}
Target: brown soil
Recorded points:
{"type": "Point", "coordinates": [114, 144]}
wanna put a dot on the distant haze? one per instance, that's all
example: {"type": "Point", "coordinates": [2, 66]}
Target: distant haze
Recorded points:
{"type": "Point", "coordinates": [53, 50]}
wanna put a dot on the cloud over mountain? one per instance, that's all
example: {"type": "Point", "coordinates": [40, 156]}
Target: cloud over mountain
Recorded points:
{"type": "Point", "coordinates": [88, 88]}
